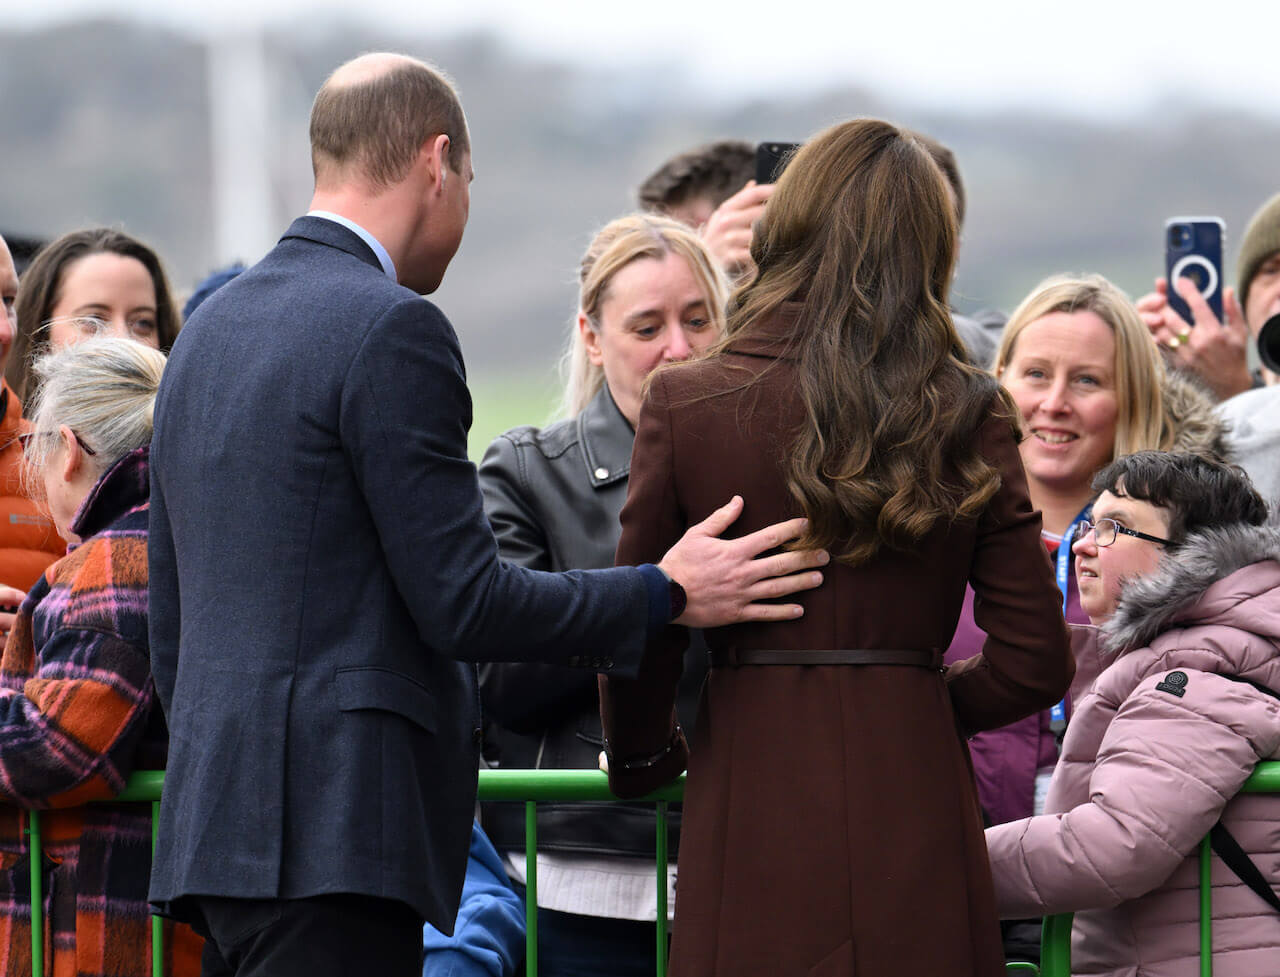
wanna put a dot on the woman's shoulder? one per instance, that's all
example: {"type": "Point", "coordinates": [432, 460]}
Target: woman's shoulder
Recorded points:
{"type": "Point", "coordinates": [552, 440]}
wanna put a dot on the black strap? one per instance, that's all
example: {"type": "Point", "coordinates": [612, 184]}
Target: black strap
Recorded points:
{"type": "Point", "coordinates": [1228, 849]}
{"type": "Point", "coordinates": [1224, 843]}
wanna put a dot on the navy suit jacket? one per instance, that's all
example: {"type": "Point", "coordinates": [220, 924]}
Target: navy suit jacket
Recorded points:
{"type": "Point", "coordinates": [321, 567]}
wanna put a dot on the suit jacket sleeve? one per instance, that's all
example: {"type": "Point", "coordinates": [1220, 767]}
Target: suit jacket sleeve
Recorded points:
{"type": "Point", "coordinates": [639, 713]}
{"type": "Point", "coordinates": [403, 421]}
{"type": "Point", "coordinates": [524, 697]}
{"type": "Point", "coordinates": [1166, 769]}
{"type": "Point", "coordinates": [163, 618]}
{"type": "Point", "coordinates": [1026, 663]}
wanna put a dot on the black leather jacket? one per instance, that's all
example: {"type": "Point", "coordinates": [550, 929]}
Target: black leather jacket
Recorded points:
{"type": "Point", "coordinates": [553, 497]}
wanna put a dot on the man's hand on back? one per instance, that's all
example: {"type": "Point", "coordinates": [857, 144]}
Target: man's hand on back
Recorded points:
{"type": "Point", "coordinates": [724, 579]}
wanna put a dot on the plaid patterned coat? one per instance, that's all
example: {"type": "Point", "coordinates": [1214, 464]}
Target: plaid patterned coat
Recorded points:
{"type": "Point", "coordinates": [77, 716]}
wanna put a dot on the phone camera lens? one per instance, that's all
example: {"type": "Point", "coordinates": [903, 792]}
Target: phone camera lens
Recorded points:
{"type": "Point", "coordinates": [1179, 236]}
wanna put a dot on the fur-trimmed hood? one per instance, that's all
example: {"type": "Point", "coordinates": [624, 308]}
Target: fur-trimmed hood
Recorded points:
{"type": "Point", "coordinates": [1176, 592]}
{"type": "Point", "coordinates": [1191, 416]}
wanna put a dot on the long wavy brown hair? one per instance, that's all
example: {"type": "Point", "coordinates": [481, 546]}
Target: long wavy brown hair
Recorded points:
{"type": "Point", "coordinates": [861, 235]}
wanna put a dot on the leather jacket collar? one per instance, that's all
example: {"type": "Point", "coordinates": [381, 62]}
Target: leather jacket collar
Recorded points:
{"type": "Point", "coordinates": [606, 439]}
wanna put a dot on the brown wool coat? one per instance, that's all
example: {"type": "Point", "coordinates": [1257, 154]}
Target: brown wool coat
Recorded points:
{"type": "Point", "coordinates": [831, 825]}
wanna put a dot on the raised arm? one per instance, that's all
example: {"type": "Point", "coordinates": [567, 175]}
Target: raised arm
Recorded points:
{"type": "Point", "coordinates": [1166, 769]}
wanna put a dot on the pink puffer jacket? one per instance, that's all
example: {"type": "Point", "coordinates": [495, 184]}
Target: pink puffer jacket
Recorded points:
{"type": "Point", "coordinates": [1155, 754]}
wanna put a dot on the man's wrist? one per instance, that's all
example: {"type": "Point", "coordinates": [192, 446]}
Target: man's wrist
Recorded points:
{"type": "Point", "coordinates": [663, 593]}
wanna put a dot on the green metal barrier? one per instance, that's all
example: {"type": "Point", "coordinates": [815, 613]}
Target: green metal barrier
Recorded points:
{"type": "Point", "coordinates": [1055, 952]}
{"type": "Point", "coordinates": [533, 786]}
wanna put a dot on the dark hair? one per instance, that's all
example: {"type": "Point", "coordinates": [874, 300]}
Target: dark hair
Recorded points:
{"type": "Point", "coordinates": [41, 285]}
{"type": "Point", "coordinates": [946, 161]}
{"type": "Point", "coordinates": [1198, 493]}
{"type": "Point", "coordinates": [379, 123]}
{"type": "Point", "coordinates": [861, 234]}
{"type": "Point", "coordinates": [715, 172]}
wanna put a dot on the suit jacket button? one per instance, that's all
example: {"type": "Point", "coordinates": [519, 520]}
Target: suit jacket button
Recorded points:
{"type": "Point", "coordinates": [477, 734]}
{"type": "Point", "coordinates": [608, 663]}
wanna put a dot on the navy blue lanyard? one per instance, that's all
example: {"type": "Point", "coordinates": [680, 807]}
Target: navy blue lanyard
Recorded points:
{"type": "Point", "coordinates": [1062, 568]}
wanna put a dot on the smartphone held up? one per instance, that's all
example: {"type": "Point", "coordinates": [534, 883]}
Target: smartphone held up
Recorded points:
{"type": "Point", "coordinates": [1193, 249]}
{"type": "Point", "coordinates": [772, 158]}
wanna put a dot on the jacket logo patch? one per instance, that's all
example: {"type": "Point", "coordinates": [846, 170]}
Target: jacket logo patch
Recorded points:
{"type": "Point", "coordinates": [1174, 683]}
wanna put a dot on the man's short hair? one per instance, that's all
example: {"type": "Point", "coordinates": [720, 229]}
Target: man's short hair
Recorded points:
{"type": "Point", "coordinates": [714, 172]}
{"type": "Point", "coordinates": [1198, 493]}
{"type": "Point", "coordinates": [946, 161]}
{"type": "Point", "coordinates": [379, 124]}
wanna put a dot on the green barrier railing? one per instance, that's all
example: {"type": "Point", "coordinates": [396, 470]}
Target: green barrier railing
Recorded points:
{"type": "Point", "coordinates": [1055, 952]}
{"type": "Point", "coordinates": [533, 786]}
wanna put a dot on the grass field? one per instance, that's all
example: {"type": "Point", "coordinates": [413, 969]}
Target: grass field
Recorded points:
{"type": "Point", "coordinates": [505, 400]}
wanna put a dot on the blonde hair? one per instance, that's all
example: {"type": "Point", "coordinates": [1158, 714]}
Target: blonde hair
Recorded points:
{"type": "Point", "coordinates": [615, 246]}
{"type": "Point", "coordinates": [102, 389]}
{"type": "Point", "coordinates": [1141, 424]}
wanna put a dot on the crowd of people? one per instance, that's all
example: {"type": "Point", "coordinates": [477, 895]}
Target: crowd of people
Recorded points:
{"type": "Point", "coordinates": [953, 621]}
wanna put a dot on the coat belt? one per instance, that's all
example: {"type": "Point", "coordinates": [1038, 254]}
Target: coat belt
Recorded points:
{"type": "Point", "coordinates": [734, 657]}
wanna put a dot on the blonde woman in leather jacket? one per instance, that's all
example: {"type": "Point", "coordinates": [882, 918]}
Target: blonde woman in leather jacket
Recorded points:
{"type": "Point", "coordinates": [650, 293]}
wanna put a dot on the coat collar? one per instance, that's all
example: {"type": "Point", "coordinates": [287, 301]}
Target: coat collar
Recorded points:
{"type": "Point", "coordinates": [771, 337]}
{"type": "Point", "coordinates": [1211, 578]}
{"type": "Point", "coordinates": [606, 438]}
{"type": "Point", "coordinates": [332, 234]}
{"type": "Point", "coordinates": [124, 486]}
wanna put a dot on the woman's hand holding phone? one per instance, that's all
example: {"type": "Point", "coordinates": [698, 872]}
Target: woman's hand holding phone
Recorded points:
{"type": "Point", "coordinates": [1215, 351]}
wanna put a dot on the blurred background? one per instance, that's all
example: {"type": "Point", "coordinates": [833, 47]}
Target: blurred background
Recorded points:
{"type": "Point", "coordinates": [1078, 130]}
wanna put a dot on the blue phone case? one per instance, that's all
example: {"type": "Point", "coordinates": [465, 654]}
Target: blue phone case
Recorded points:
{"type": "Point", "coordinates": [1193, 249]}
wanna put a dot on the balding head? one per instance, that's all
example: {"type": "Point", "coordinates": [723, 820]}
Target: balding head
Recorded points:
{"type": "Point", "coordinates": [374, 114]}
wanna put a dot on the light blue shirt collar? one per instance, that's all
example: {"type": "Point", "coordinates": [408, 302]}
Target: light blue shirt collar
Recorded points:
{"type": "Point", "coordinates": [374, 244]}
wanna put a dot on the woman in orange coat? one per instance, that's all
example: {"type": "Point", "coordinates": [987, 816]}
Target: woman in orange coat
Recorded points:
{"type": "Point", "coordinates": [831, 825]}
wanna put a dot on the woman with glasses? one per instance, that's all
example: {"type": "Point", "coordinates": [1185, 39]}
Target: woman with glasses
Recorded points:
{"type": "Point", "coordinates": [1089, 386]}
{"type": "Point", "coordinates": [1181, 580]}
{"type": "Point", "coordinates": [830, 815]}
{"type": "Point", "coordinates": [97, 281]}
{"type": "Point", "coordinates": [77, 705]}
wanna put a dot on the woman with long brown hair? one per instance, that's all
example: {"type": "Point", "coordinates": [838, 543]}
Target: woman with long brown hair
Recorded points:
{"type": "Point", "coordinates": [831, 825]}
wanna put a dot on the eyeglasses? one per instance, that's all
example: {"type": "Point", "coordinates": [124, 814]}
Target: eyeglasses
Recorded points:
{"type": "Point", "coordinates": [1105, 530]}
{"type": "Point", "coordinates": [26, 438]}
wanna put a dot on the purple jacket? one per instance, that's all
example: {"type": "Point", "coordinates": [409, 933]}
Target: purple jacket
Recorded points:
{"type": "Point", "coordinates": [1155, 755]}
{"type": "Point", "coordinates": [1005, 760]}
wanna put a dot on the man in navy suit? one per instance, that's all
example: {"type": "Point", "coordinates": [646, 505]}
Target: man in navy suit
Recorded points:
{"type": "Point", "coordinates": [321, 566]}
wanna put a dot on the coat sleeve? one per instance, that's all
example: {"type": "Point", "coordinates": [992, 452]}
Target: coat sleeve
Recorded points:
{"type": "Point", "coordinates": [71, 734]}
{"type": "Point", "coordinates": [403, 417]}
{"type": "Point", "coordinates": [1166, 769]}
{"type": "Point", "coordinates": [525, 697]}
{"type": "Point", "coordinates": [1026, 663]}
{"type": "Point", "coordinates": [639, 714]}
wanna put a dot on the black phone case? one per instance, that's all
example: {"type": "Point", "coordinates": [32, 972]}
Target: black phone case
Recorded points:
{"type": "Point", "coordinates": [772, 159]}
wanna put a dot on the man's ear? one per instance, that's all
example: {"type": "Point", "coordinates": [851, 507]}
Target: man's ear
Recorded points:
{"type": "Point", "coordinates": [437, 149]}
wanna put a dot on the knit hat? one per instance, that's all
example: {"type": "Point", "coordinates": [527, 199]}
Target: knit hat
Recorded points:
{"type": "Point", "coordinates": [1261, 240]}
